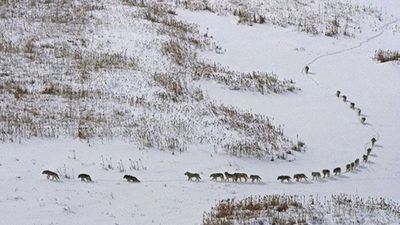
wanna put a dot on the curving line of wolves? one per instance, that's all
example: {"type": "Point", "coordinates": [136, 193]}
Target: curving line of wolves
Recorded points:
{"type": "Point", "coordinates": [237, 177]}
{"type": "Point", "coordinates": [363, 119]}
{"type": "Point", "coordinates": [326, 172]}
{"type": "Point", "coordinates": [337, 171]}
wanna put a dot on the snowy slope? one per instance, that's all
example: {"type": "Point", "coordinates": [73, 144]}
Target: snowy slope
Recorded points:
{"type": "Point", "coordinates": [120, 70]}
{"type": "Point", "coordinates": [332, 132]}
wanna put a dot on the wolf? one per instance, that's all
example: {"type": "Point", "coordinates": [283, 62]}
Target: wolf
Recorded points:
{"type": "Point", "coordinates": [356, 162]}
{"type": "Point", "coordinates": [190, 175]}
{"type": "Point", "coordinates": [348, 167]}
{"type": "Point", "coordinates": [326, 173]}
{"type": "Point", "coordinates": [316, 175]}
{"type": "Point", "coordinates": [365, 158]}
{"type": "Point", "coordinates": [307, 68]}
{"type": "Point", "coordinates": [85, 177]}
{"type": "Point", "coordinates": [215, 176]}
{"type": "Point", "coordinates": [373, 141]}
{"type": "Point", "coordinates": [284, 177]}
{"type": "Point", "coordinates": [299, 176]}
{"type": "Point", "coordinates": [229, 176]}
{"type": "Point", "coordinates": [130, 178]}
{"type": "Point", "coordinates": [239, 176]}
{"type": "Point", "coordinates": [51, 174]}
{"type": "Point", "coordinates": [255, 178]}
{"type": "Point", "coordinates": [337, 171]}
{"type": "Point", "coordinates": [363, 120]}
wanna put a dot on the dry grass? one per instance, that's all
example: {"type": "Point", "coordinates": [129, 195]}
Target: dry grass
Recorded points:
{"type": "Point", "coordinates": [262, 82]}
{"type": "Point", "coordinates": [285, 209]}
{"type": "Point", "coordinates": [262, 138]}
{"type": "Point", "coordinates": [63, 80]}
{"type": "Point", "coordinates": [178, 53]}
{"type": "Point", "coordinates": [176, 88]}
{"type": "Point", "coordinates": [98, 61]}
{"type": "Point", "coordinates": [330, 18]}
{"type": "Point", "coordinates": [387, 55]}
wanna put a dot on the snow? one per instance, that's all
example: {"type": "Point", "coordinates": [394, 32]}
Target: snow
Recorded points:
{"type": "Point", "coordinates": [332, 132]}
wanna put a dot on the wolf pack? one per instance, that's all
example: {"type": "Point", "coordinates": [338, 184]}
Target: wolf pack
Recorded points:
{"type": "Point", "coordinates": [363, 119]}
{"type": "Point", "coordinates": [85, 177]}
{"type": "Point", "coordinates": [243, 177]}
{"type": "Point", "coordinates": [234, 177]}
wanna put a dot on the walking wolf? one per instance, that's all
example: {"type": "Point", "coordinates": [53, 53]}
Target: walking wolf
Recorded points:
{"type": "Point", "coordinates": [238, 177]}
{"type": "Point", "coordinates": [363, 120]}
{"type": "Point", "coordinates": [190, 175]}
{"type": "Point", "coordinates": [316, 175]}
{"type": "Point", "coordinates": [130, 178]}
{"type": "Point", "coordinates": [348, 167]}
{"type": "Point", "coordinates": [365, 158]}
{"type": "Point", "coordinates": [326, 173]}
{"type": "Point", "coordinates": [85, 177]}
{"type": "Point", "coordinates": [255, 178]}
{"type": "Point", "coordinates": [284, 177]}
{"type": "Point", "coordinates": [299, 176]}
{"type": "Point", "coordinates": [307, 68]}
{"type": "Point", "coordinates": [229, 176]}
{"type": "Point", "coordinates": [51, 174]}
{"type": "Point", "coordinates": [373, 141]}
{"type": "Point", "coordinates": [357, 162]}
{"type": "Point", "coordinates": [337, 171]}
{"type": "Point", "coordinates": [215, 176]}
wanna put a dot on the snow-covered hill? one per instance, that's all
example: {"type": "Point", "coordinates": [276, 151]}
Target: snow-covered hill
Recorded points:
{"type": "Point", "coordinates": [99, 87]}
{"type": "Point", "coordinates": [114, 69]}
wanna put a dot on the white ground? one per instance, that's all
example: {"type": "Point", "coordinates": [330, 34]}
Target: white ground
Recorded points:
{"type": "Point", "coordinates": [332, 132]}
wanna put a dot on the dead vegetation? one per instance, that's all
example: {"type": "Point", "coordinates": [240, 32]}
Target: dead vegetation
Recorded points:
{"type": "Point", "coordinates": [286, 209]}
{"type": "Point", "coordinates": [260, 137]}
{"type": "Point", "coordinates": [330, 18]}
{"type": "Point", "coordinates": [98, 61]}
{"type": "Point", "coordinates": [59, 79]}
{"type": "Point", "coordinates": [387, 55]}
{"type": "Point", "coordinates": [174, 50]}
{"type": "Point", "coordinates": [262, 82]}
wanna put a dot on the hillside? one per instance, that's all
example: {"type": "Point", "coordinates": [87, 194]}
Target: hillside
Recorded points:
{"type": "Point", "coordinates": [157, 88]}
{"type": "Point", "coordinates": [111, 69]}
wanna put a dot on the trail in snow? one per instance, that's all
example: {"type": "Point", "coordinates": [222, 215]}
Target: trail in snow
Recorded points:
{"type": "Point", "coordinates": [316, 82]}
{"type": "Point", "coordinates": [382, 30]}
{"type": "Point", "coordinates": [377, 134]}
{"type": "Point", "coordinates": [112, 200]}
